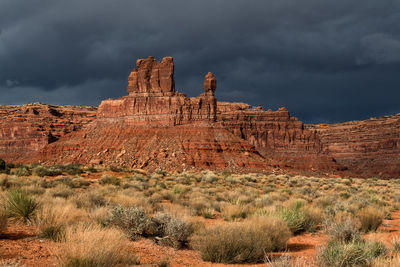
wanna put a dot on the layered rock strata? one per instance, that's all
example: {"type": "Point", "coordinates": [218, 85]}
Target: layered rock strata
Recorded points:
{"type": "Point", "coordinates": [155, 126]}
{"type": "Point", "coordinates": [369, 148]}
{"type": "Point", "coordinates": [152, 98]}
{"type": "Point", "coordinates": [26, 129]}
{"type": "Point", "coordinates": [276, 135]}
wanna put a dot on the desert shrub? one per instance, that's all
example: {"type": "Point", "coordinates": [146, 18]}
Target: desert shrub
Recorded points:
{"type": "Point", "coordinates": [62, 191]}
{"type": "Point", "coordinates": [133, 221]}
{"type": "Point", "coordinates": [198, 205]}
{"type": "Point", "coordinates": [242, 242]}
{"type": "Point", "coordinates": [161, 172]}
{"type": "Point", "coordinates": [73, 183]}
{"type": "Point", "coordinates": [354, 253]}
{"type": "Point", "coordinates": [90, 200]}
{"type": "Point", "coordinates": [118, 169]}
{"type": "Point", "coordinates": [42, 171]}
{"type": "Point", "coordinates": [233, 212]}
{"type": "Point", "coordinates": [79, 183]}
{"type": "Point", "coordinates": [287, 261]}
{"type": "Point", "coordinates": [370, 218]}
{"type": "Point", "coordinates": [209, 177]}
{"type": "Point", "coordinates": [171, 231]}
{"type": "Point", "coordinates": [22, 171]}
{"type": "Point", "coordinates": [300, 218]}
{"type": "Point", "coordinates": [6, 182]}
{"type": "Point", "coordinates": [3, 221]}
{"type": "Point", "coordinates": [343, 229]}
{"type": "Point", "coordinates": [396, 244]}
{"type": "Point", "coordinates": [55, 216]}
{"type": "Point", "coordinates": [91, 169]}
{"type": "Point", "coordinates": [108, 179]}
{"type": "Point", "coordinates": [208, 213]}
{"type": "Point", "coordinates": [34, 190]}
{"type": "Point", "coordinates": [50, 223]}
{"type": "Point", "coordinates": [20, 206]}
{"type": "Point", "coordinates": [386, 261]}
{"type": "Point", "coordinates": [89, 246]}
{"type": "Point", "coordinates": [71, 169]}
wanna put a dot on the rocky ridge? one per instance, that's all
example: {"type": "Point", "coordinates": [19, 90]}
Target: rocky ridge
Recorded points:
{"type": "Point", "coordinates": [369, 148]}
{"type": "Point", "coordinates": [26, 129]}
{"type": "Point", "coordinates": [155, 126]}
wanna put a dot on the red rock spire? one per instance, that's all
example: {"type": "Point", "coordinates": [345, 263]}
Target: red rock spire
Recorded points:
{"type": "Point", "coordinates": [210, 83]}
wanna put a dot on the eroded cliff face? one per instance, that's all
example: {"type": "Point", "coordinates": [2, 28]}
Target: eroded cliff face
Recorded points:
{"type": "Point", "coordinates": [26, 129]}
{"type": "Point", "coordinates": [156, 127]}
{"type": "Point", "coordinates": [276, 135]}
{"type": "Point", "coordinates": [152, 98]}
{"type": "Point", "coordinates": [367, 148]}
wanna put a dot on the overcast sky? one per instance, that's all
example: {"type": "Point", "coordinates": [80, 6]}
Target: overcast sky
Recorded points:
{"type": "Point", "coordinates": [326, 61]}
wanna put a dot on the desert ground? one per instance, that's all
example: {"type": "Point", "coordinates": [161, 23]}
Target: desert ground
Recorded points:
{"type": "Point", "coordinates": [72, 215]}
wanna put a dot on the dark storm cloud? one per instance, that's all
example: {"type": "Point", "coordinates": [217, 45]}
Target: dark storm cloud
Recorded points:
{"type": "Point", "coordinates": [324, 60]}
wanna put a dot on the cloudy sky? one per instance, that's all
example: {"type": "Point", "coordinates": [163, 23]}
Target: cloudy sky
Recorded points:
{"type": "Point", "coordinates": [326, 61]}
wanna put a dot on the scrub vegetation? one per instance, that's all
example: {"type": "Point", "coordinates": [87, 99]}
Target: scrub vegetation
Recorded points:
{"type": "Point", "coordinates": [94, 215]}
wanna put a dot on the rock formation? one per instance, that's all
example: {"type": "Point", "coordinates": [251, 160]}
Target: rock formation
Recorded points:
{"type": "Point", "coordinates": [152, 98]}
{"type": "Point", "coordinates": [156, 127]}
{"type": "Point", "coordinates": [276, 135]}
{"type": "Point", "coordinates": [28, 128]}
{"type": "Point", "coordinates": [369, 148]}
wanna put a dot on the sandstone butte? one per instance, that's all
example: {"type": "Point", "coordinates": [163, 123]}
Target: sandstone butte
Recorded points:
{"type": "Point", "coordinates": [155, 126]}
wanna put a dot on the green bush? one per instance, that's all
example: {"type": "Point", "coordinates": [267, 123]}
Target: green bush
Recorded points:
{"type": "Point", "coordinates": [300, 218]}
{"type": "Point", "coordinates": [42, 171]}
{"type": "Point", "coordinates": [18, 205]}
{"type": "Point", "coordinates": [354, 253]}
{"type": "Point", "coordinates": [242, 242]}
{"type": "Point", "coordinates": [72, 169]}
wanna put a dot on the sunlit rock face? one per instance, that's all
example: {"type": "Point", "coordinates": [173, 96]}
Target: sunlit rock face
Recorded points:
{"type": "Point", "coordinates": [154, 126]}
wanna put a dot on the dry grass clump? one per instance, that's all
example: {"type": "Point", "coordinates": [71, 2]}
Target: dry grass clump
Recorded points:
{"type": "Point", "coordinates": [370, 218]}
{"type": "Point", "coordinates": [242, 242]}
{"type": "Point", "coordinates": [288, 261]}
{"type": "Point", "coordinates": [95, 246]}
{"type": "Point", "coordinates": [109, 179]}
{"type": "Point", "coordinates": [386, 261]}
{"type": "Point", "coordinates": [354, 253]}
{"type": "Point", "coordinates": [299, 217]}
{"type": "Point", "coordinates": [54, 218]}
{"type": "Point", "coordinates": [90, 200]}
{"type": "Point", "coordinates": [346, 246]}
{"type": "Point", "coordinates": [62, 191]}
{"type": "Point", "coordinates": [234, 212]}
{"type": "Point", "coordinates": [343, 229]}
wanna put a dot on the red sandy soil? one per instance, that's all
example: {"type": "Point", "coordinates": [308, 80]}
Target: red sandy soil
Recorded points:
{"type": "Point", "coordinates": [20, 244]}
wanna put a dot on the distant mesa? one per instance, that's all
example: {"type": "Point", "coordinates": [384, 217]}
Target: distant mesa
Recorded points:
{"type": "Point", "coordinates": [154, 126]}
